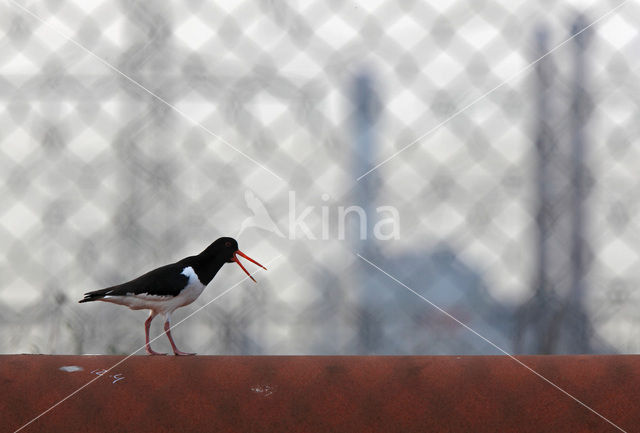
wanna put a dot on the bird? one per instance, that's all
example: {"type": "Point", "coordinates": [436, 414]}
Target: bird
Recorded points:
{"type": "Point", "coordinates": [169, 287]}
{"type": "Point", "coordinates": [260, 218]}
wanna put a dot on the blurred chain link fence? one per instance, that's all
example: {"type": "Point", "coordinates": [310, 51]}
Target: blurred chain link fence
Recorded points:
{"type": "Point", "coordinates": [194, 120]}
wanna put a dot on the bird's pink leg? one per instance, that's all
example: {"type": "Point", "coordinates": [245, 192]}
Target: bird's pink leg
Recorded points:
{"type": "Point", "coordinates": [167, 330]}
{"type": "Point", "coordinates": [147, 325]}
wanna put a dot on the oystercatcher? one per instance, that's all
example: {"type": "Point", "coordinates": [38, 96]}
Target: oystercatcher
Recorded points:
{"type": "Point", "coordinates": [172, 286]}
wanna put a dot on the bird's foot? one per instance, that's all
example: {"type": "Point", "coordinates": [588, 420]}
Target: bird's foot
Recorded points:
{"type": "Point", "coordinates": [181, 353]}
{"type": "Point", "coordinates": [152, 352]}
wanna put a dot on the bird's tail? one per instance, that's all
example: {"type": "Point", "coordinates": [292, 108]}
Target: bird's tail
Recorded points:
{"type": "Point", "coordinates": [96, 295]}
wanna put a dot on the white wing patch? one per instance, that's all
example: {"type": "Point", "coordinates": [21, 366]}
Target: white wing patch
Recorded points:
{"type": "Point", "coordinates": [190, 274]}
{"type": "Point", "coordinates": [150, 296]}
{"type": "Point", "coordinates": [193, 289]}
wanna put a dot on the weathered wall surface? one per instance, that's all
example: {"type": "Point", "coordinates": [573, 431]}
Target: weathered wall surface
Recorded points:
{"type": "Point", "coordinates": [319, 394]}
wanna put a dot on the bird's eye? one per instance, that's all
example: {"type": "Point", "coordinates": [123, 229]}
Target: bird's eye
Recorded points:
{"type": "Point", "coordinates": [227, 244]}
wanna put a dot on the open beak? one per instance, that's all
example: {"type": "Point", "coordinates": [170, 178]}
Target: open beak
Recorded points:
{"type": "Point", "coordinates": [241, 254]}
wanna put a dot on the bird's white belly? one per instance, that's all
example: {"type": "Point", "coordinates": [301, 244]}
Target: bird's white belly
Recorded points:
{"type": "Point", "coordinates": [162, 304]}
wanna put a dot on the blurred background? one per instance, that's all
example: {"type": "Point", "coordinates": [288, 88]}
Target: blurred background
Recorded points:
{"type": "Point", "coordinates": [510, 199]}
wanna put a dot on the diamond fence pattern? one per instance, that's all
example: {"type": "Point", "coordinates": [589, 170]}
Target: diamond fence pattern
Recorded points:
{"type": "Point", "coordinates": [163, 125]}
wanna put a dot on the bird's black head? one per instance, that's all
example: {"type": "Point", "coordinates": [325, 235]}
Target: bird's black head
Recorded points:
{"type": "Point", "coordinates": [225, 247]}
{"type": "Point", "coordinates": [225, 250]}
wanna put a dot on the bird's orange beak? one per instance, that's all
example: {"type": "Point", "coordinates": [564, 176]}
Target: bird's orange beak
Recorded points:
{"type": "Point", "coordinates": [241, 254]}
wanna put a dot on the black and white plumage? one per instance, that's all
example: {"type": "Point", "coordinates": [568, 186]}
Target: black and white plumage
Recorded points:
{"type": "Point", "coordinates": [172, 286]}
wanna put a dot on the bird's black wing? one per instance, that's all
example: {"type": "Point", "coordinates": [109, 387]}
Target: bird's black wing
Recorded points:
{"type": "Point", "coordinates": [164, 281]}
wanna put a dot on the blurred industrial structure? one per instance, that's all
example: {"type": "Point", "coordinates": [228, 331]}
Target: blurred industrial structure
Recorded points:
{"type": "Point", "coordinates": [162, 126]}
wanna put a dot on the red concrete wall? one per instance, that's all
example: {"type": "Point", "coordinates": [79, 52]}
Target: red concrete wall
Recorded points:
{"type": "Point", "coordinates": [319, 394]}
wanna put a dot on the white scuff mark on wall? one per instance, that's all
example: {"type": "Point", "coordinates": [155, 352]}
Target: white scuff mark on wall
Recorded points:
{"type": "Point", "coordinates": [265, 390]}
{"type": "Point", "coordinates": [71, 368]}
